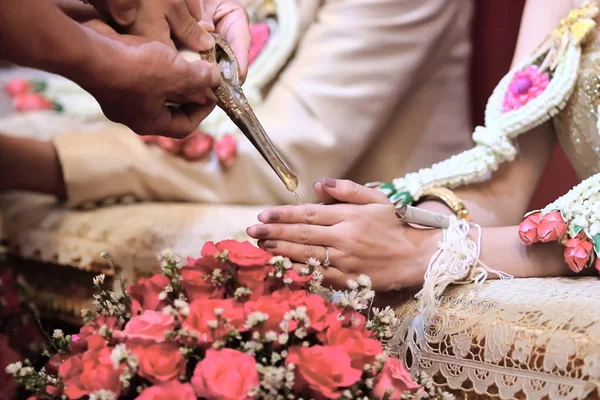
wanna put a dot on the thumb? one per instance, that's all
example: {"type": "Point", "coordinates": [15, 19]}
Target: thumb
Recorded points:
{"type": "Point", "coordinates": [350, 192]}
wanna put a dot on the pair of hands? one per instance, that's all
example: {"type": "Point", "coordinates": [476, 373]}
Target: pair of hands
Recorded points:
{"type": "Point", "coordinates": [148, 72]}
{"type": "Point", "coordinates": [362, 234]}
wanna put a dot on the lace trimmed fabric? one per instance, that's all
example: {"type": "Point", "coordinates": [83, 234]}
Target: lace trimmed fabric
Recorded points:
{"type": "Point", "coordinates": [526, 338]}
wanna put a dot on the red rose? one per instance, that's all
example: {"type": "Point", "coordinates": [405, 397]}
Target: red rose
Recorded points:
{"type": "Point", "coordinates": [150, 326]}
{"type": "Point", "coordinates": [197, 146]}
{"type": "Point", "coordinates": [225, 374]}
{"type": "Point", "coordinates": [80, 344]}
{"type": "Point", "coordinates": [202, 314]}
{"type": "Point", "coordinates": [551, 227]}
{"type": "Point", "coordinates": [274, 307]}
{"type": "Point", "coordinates": [325, 370]}
{"type": "Point", "coordinates": [87, 373]}
{"type": "Point", "coordinates": [17, 87]}
{"type": "Point", "coordinates": [356, 342]}
{"type": "Point", "coordinates": [298, 281]}
{"type": "Point", "coordinates": [146, 291]}
{"type": "Point", "coordinates": [8, 386]}
{"type": "Point", "coordinates": [170, 145]}
{"type": "Point", "coordinates": [394, 377]}
{"type": "Point", "coordinates": [528, 229]}
{"type": "Point", "coordinates": [195, 286]}
{"type": "Point", "coordinates": [32, 102]}
{"type": "Point", "coordinates": [242, 254]}
{"type": "Point", "coordinates": [226, 150]}
{"type": "Point", "coordinates": [254, 279]}
{"type": "Point", "coordinates": [577, 252]}
{"type": "Point", "coordinates": [159, 362]}
{"type": "Point", "coordinates": [318, 311]}
{"type": "Point", "coordinates": [172, 390]}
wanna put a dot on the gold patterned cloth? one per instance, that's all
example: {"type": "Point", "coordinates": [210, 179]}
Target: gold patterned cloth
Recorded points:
{"type": "Point", "coordinates": [577, 124]}
{"type": "Point", "coordinates": [526, 338]}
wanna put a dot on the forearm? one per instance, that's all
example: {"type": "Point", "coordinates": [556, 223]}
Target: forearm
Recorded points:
{"type": "Point", "coordinates": [30, 165]}
{"type": "Point", "coordinates": [37, 34]}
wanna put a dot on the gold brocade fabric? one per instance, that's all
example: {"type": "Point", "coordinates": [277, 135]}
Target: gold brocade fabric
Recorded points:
{"type": "Point", "coordinates": [577, 124]}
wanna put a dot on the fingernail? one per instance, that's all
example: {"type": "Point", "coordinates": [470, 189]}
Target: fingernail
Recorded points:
{"type": "Point", "coordinates": [330, 182]}
{"type": "Point", "coordinates": [261, 231]}
{"type": "Point", "coordinates": [274, 217]}
{"type": "Point", "coordinates": [269, 244]}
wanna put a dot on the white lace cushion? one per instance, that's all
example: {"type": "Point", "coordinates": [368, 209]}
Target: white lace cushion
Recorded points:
{"type": "Point", "coordinates": [534, 337]}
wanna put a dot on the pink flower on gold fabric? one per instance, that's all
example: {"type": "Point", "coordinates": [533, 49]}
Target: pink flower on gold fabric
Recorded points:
{"type": "Point", "coordinates": [525, 86]}
{"type": "Point", "coordinates": [528, 229]}
{"type": "Point", "coordinates": [551, 227]}
{"type": "Point", "coordinates": [577, 252]}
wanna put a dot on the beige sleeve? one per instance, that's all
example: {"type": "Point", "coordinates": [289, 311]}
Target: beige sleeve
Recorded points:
{"type": "Point", "coordinates": [353, 65]}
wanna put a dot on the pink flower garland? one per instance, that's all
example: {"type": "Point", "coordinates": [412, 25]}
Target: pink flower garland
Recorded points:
{"type": "Point", "coordinates": [525, 86]}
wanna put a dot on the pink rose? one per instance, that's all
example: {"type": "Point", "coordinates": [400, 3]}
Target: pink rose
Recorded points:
{"type": "Point", "coordinates": [17, 87]}
{"type": "Point", "coordinates": [159, 362]}
{"type": "Point", "coordinates": [274, 307]}
{"type": "Point", "coordinates": [145, 293]}
{"type": "Point", "coordinates": [298, 281]}
{"type": "Point", "coordinates": [242, 254]}
{"type": "Point", "coordinates": [577, 252]}
{"type": "Point", "coordinates": [8, 386]}
{"type": "Point", "coordinates": [254, 279]}
{"type": "Point", "coordinates": [226, 150]}
{"type": "Point", "coordinates": [551, 227]}
{"type": "Point", "coordinates": [195, 285]}
{"type": "Point", "coordinates": [325, 370]}
{"type": "Point", "coordinates": [394, 376]}
{"type": "Point", "coordinates": [172, 390]}
{"type": "Point", "coordinates": [318, 311]}
{"type": "Point", "coordinates": [356, 342]}
{"type": "Point", "coordinates": [203, 311]}
{"type": "Point", "coordinates": [87, 373]}
{"type": "Point", "coordinates": [149, 326]}
{"type": "Point", "coordinates": [225, 374]}
{"type": "Point", "coordinates": [528, 229]}
{"type": "Point", "coordinates": [32, 102]}
{"type": "Point", "coordinates": [197, 146]}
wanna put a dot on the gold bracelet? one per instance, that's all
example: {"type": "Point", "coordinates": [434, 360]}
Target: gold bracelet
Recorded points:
{"type": "Point", "coordinates": [447, 197]}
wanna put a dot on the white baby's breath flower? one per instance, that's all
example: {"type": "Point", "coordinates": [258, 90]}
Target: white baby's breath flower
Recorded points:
{"type": "Point", "coordinates": [255, 318]}
{"type": "Point", "coordinates": [352, 284]}
{"type": "Point", "coordinates": [168, 256]}
{"type": "Point", "coordinates": [271, 336]}
{"type": "Point", "coordinates": [300, 333]}
{"type": "Point", "coordinates": [364, 281]}
{"type": "Point", "coordinates": [104, 331]}
{"type": "Point", "coordinates": [14, 368]}
{"type": "Point", "coordinates": [103, 395]}
{"type": "Point", "coordinates": [218, 311]}
{"type": "Point", "coordinates": [283, 338]}
{"type": "Point", "coordinates": [305, 271]}
{"type": "Point", "coordinates": [287, 281]}
{"type": "Point", "coordinates": [26, 371]}
{"type": "Point", "coordinates": [58, 334]}
{"type": "Point", "coordinates": [162, 295]}
{"type": "Point", "coordinates": [99, 280]}
{"type": "Point", "coordinates": [313, 263]}
{"type": "Point", "coordinates": [118, 355]}
{"type": "Point", "coordinates": [212, 324]}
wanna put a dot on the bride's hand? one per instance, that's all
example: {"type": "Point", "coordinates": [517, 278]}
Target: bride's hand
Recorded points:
{"type": "Point", "coordinates": [362, 235]}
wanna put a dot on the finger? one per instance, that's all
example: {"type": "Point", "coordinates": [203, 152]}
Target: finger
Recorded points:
{"type": "Point", "coordinates": [300, 252]}
{"type": "Point", "coordinates": [197, 76]}
{"type": "Point", "coordinates": [186, 28]}
{"type": "Point", "coordinates": [297, 233]}
{"type": "Point", "coordinates": [233, 23]}
{"type": "Point", "coordinates": [350, 192]}
{"type": "Point", "coordinates": [178, 122]}
{"type": "Point", "coordinates": [123, 12]}
{"type": "Point", "coordinates": [321, 194]}
{"type": "Point", "coordinates": [195, 9]}
{"type": "Point", "coordinates": [311, 214]}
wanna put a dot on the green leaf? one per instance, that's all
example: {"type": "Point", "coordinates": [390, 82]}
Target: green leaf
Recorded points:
{"type": "Point", "coordinates": [39, 86]}
{"type": "Point", "coordinates": [388, 189]}
{"type": "Point", "coordinates": [402, 198]}
{"type": "Point", "coordinates": [597, 244]}
{"type": "Point", "coordinates": [575, 230]}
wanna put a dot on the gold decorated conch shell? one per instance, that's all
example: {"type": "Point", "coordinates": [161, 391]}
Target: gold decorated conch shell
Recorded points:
{"type": "Point", "coordinates": [231, 99]}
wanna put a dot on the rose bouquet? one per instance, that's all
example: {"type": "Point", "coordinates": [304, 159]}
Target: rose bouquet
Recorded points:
{"type": "Point", "coordinates": [237, 323]}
